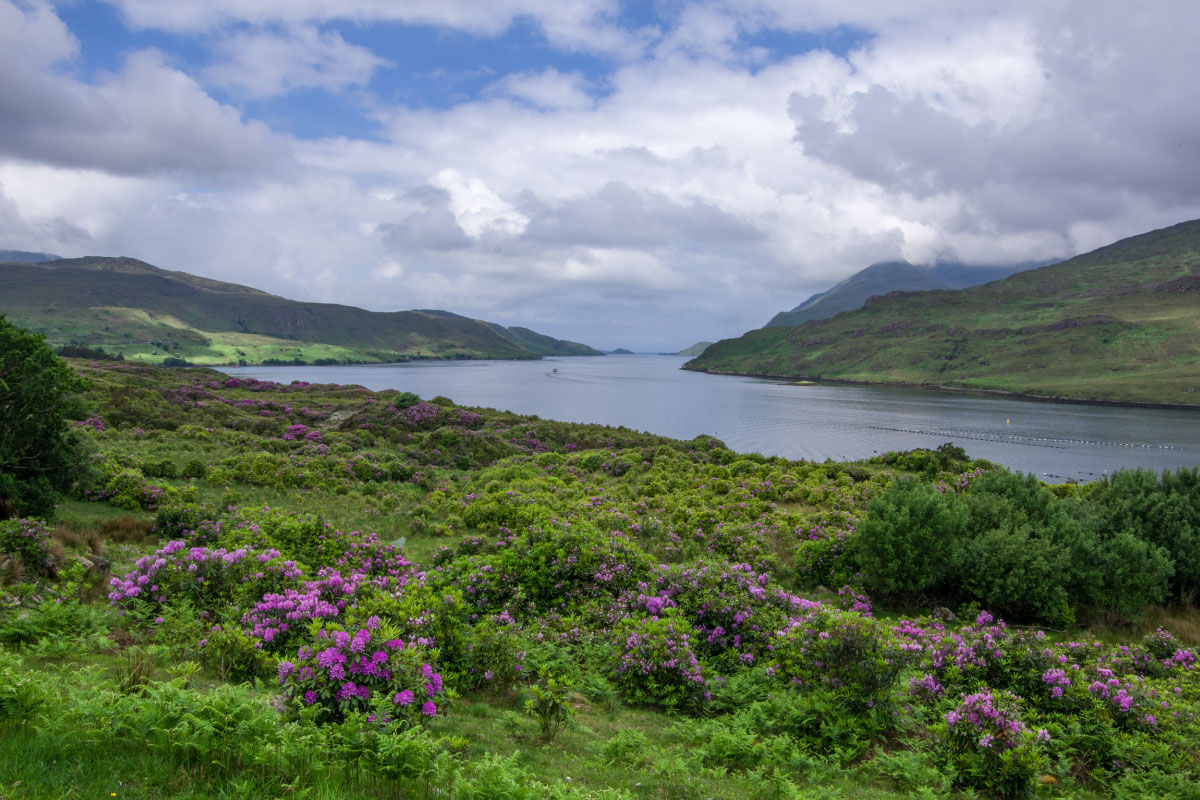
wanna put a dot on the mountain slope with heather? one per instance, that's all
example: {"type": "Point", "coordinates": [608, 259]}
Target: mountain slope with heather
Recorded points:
{"type": "Point", "coordinates": [1121, 323]}
{"type": "Point", "coordinates": [131, 307]}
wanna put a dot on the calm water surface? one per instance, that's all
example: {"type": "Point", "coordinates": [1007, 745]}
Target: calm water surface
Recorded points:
{"type": "Point", "coordinates": [650, 393]}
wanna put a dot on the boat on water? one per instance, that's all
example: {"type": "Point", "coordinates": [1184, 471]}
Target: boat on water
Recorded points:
{"type": "Point", "coordinates": [554, 371]}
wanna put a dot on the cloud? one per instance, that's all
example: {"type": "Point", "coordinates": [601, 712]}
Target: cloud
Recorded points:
{"type": "Point", "coordinates": [549, 89]}
{"type": "Point", "coordinates": [146, 119]}
{"type": "Point", "coordinates": [265, 64]}
{"type": "Point", "coordinates": [616, 215]}
{"type": "Point", "coordinates": [476, 207]}
{"type": "Point", "coordinates": [585, 25]}
{"type": "Point", "coordinates": [1027, 125]}
{"type": "Point", "coordinates": [432, 225]}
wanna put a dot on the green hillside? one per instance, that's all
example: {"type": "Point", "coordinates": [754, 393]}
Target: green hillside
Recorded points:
{"type": "Point", "coordinates": [851, 293]}
{"type": "Point", "coordinates": [144, 312]}
{"type": "Point", "coordinates": [1121, 323]}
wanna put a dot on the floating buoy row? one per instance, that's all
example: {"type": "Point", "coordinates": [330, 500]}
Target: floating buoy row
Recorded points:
{"type": "Point", "coordinates": [1065, 441]}
{"type": "Point", "coordinates": [1030, 441]}
{"type": "Point", "coordinates": [960, 435]}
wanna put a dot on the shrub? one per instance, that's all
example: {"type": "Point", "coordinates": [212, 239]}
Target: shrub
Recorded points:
{"type": "Point", "coordinates": [1163, 511]}
{"type": "Point", "coordinates": [907, 543]}
{"type": "Point", "coordinates": [194, 469]}
{"type": "Point", "coordinates": [549, 704]}
{"type": "Point", "coordinates": [493, 657]}
{"type": "Point", "coordinates": [209, 577]}
{"type": "Point", "coordinates": [343, 672]}
{"type": "Point", "coordinates": [27, 540]}
{"type": "Point", "coordinates": [857, 657]}
{"type": "Point", "coordinates": [654, 662]}
{"type": "Point", "coordinates": [988, 745]}
{"type": "Point", "coordinates": [40, 455]}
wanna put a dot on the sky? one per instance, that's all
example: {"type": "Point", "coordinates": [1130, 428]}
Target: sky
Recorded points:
{"type": "Point", "coordinates": [619, 173]}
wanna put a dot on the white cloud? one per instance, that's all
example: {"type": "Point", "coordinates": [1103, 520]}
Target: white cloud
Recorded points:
{"type": "Point", "coordinates": [264, 64]}
{"type": "Point", "coordinates": [148, 118]}
{"type": "Point", "coordinates": [575, 24]}
{"type": "Point", "coordinates": [690, 193]}
{"type": "Point", "coordinates": [549, 89]}
{"type": "Point", "coordinates": [476, 207]}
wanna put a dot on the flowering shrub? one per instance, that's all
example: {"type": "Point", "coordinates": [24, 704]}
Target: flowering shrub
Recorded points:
{"type": "Point", "coordinates": [27, 540]}
{"type": "Point", "coordinates": [990, 747]}
{"type": "Point", "coordinates": [295, 432]}
{"type": "Point", "coordinates": [277, 619]}
{"type": "Point", "coordinates": [825, 557]}
{"type": "Point", "coordinates": [733, 607]}
{"type": "Point", "coordinates": [420, 415]}
{"type": "Point", "coordinates": [344, 672]}
{"type": "Point", "coordinates": [208, 576]}
{"type": "Point", "coordinates": [856, 656]}
{"type": "Point", "coordinates": [656, 665]}
{"type": "Point", "coordinates": [93, 422]}
{"type": "Point", "coordinates": [467, 419]}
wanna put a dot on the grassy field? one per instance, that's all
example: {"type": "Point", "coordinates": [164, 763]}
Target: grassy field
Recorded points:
{"type": "Point", "coordinates": [528, 564]}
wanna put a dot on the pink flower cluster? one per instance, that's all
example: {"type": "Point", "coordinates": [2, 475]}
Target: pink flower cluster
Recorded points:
{"type": "Point", "coordinates": [212, 573]}
{"type": "Point", "coordinates": [346, 672]}
{"type": "Point", "coordinates": [987, 719]}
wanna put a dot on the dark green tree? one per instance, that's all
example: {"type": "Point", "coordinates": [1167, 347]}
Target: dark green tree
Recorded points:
{"type": "Point", "coordinates": [40, 455]}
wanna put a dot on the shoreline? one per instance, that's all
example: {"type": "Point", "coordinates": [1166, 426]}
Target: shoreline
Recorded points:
{"type": "Point", "coordinates": [817, 381]}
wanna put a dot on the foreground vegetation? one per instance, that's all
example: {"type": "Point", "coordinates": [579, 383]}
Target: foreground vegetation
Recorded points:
{"type": "Point", "coordinates": [268, 590]}
{"type": "Point", "coordinates": [1117, 324]}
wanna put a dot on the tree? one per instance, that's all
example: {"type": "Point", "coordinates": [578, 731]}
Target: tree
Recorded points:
{"type": "Point", "coordinates": [39, 452]}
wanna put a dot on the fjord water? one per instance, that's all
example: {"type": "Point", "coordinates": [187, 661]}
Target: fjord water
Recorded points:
{"type": "Point", "coordinates": [1054, 440]}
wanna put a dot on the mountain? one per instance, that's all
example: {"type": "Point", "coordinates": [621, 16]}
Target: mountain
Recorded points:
{"type": "Point", "coordinates": [26, 257]}
{"type": "Point", "coordinates": [541, 344]}
{"type": "Point", "coordinates": [953, 275]}
{"type": "Point", "coordinates": [694, 350]}
{"type": "Point", "coordinates": [620, 351]}
{"type": "Point", "coordinates": [851, 293]}
{"type": "Point", "coordinates": [134, 308]}
{"type": "Point", "coordinates": [537, 343]}
{"type": "Point", "coordinates": [1121, 323]}
{"type": "Point", "coordinates": [884, 277]}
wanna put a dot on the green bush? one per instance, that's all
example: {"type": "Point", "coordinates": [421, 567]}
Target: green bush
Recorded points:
{"type": "Point", "coordinates": [40, 455]}
{"type": "Point", "coordinates": [27, 540]}
{"type": "Point", "coordinates": [907, 543]}
{"type": "Point", "coordinates": [1007, 543]}
{"type": "Point", "coordinates": [1164, 511]}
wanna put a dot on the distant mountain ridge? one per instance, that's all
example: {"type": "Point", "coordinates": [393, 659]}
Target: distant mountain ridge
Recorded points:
{"type": "Point", "coordinates": [694, 350]}
{"type": "Point", "coordinates": [120, 302]}
{"type": "Point", "coordinates": [883, 277]}
{"type": "Point", "coordinates": [1119, 324]}
{"type": "Point", "coordinates": [26, 257]}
